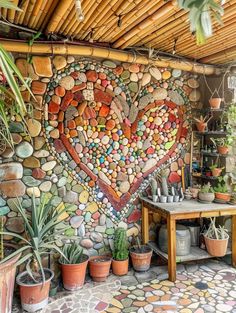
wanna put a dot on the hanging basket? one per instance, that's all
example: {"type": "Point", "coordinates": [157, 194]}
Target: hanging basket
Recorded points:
{"type": "Point", "coordinates": [215, 103]}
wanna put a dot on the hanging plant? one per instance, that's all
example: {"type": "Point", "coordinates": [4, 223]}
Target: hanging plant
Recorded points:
{"type": "Point", "coordinates": [200, 16]}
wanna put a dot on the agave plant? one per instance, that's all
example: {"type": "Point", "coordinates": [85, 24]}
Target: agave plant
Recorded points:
{"type": "Point", "coordinates": [73, 254]}
{"type": "Point", "coordinates": [40, 234]}
{"type": "Point", "coordinates": [200, 16]}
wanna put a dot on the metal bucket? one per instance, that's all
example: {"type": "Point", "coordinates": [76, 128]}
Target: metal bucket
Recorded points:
{"type": "Point", "coordinates": [194, 233]}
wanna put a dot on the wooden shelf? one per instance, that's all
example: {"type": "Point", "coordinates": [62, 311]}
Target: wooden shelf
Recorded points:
{"type": "Point", "coordinates": [205, 177]}
{"type": "Point", "coordinates": [211, 133]}
{"type": "Point", "coordinates": [195, 253]}
{"type": "Point", "coordinates": [214, 154]}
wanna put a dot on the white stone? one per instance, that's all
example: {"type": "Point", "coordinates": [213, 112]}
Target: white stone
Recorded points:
{"type": "Point", "coordinates": [45, 186]}
{"type": "Point", "coordinates": [33, 190]}
{"type": "Point", "coordinates": [155, 73]}
{"type": "Point", "coordinates": [103, 177]}
{"type": "Point", "coordinates": [41, 154]}
{"type": "Point", "coordinates": [48, 166]}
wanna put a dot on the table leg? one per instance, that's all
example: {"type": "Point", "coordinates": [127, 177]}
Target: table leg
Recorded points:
{"type": "Point", "coordinates": [234, 240]}
{"type": "Point", "coordinates": [145, 225]}
{"type": "Point", "coordinates": [171, 226]}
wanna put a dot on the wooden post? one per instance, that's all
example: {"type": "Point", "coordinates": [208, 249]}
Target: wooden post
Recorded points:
{"type": "Point", "coordinates": [145, 225]}
{"type": "Point", "coordinates": [234, 240]}
{"type": "Point", "coordinates": [171, 227]}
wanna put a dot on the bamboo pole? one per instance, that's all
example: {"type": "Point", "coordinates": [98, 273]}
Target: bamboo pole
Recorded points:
{"type": "Point", "coordinates": [221, 55]}
{"type": "Point", "coordinates": [69, 11]}
{"type": "Point", "coordinates": [20, 15]}
{"type": "Point", "coordinates": [11, 13]}
{"type": "Point", "coordinates": [28, 12]}
{"type": "Point", "coordinates": [4, 12]}
{"type": "Point", "coordinates": [35, 12]}
{"type": "Point", "coordinates": [60, 10]}
{"type": "Point", "coordinates": [122, 42]}
{"type": "Point", "coordinates": [34, 25]}
{"type": "Point", "coordinates": [47, 14]}
{"type": "Point", "coordinates": [105, 53]}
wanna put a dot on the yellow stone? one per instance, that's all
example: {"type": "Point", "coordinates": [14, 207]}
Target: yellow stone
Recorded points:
{"type": "Point", "coordinates": [165, 288]}
{"type": "Point", "coordinates": [64, 215]}
{"type": "Point", "coordinates": [168, 283]}
{"type": "Point", "coordinates": [117, 303]}
{"type": "Point", "coordinates": [83, 197]}
{"type": "Point", "coordinates": [113, 310]}
{"type": "Point", "coordinates": [156, 286]}
{"type": "Point", "coordinates": [186, 311]}
{"type": "Point", "coordinates": [42, 66]}
{"type": "Point", "coordinates": [92, 207]}
{"type": "Point", "coordinates": [133, 231]}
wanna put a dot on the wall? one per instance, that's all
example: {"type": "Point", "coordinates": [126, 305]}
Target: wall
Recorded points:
{"type": "Point", "coordinates": [98, 132]}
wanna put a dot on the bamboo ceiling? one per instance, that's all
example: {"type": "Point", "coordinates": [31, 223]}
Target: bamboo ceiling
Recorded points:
{"type": "Point", "coordinates": [144, 23]}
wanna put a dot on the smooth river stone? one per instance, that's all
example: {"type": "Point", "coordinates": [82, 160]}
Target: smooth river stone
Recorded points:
{"type": "Point", "coordinates": [193, 83]}
{"type": "Point", "coordinates": [149, 164]}
{"type": "Point", "coordinates": [176, 97]}
{"type": "Point", "coordinates": [124, 186]}
{"type": "Point", "coordinates": [146, 79]}
{"type": "Point", "coordinates": [42, 66]}
{"type": "Point", "coordinates": [76, 221]}
{"type": "Point", "coordinates": [48, 166]}
{"type": "Point", "coordinates": [133, 87]}
{"type": "Point", "coordinates": [9, 171]}
{"type": "Point", "coordinates": [59, 62]}
{"type": "Point", "coordinates": [31, 181]}
{"type": "Point", "coordinates": [86, 243]}
{"type": "Point", "coordinates": [159, 94]}
{"type": "Point", "coordinates": [84, 196]}
{"type": "Point", "coordinates": [41, 154]}
{"type": "Point", "coordinates": [195, 95]}
{"type": "Point", "coordinates": [176, 73]}
{"type": "Point", "coordinates": [33, 191]}
{"type": "Point", "coordinates": [133, 113]}
{"type": "Point", "coordinates": [96, 237]}
{"type": "Point", "coordinates": [15, 224]}
{"type": "Point", "coordinates": [34, 127]}
{"type": "Point", "coordinates": [45, 186]}
{"type": "Point", "coordinates": [12, 188]}
{"type": "Point", "coordinates": [109, 64]}
{"type": "Point", "coordinates": [145, 100]}
{"type": "Point", "coordinates": [67, 82]}
{"type": "Point", "coordinates": [31, 162]}
{"type": "Point", "coordinates": [4, 210]}
{"type": "Point", "coordinates": [92, 207]}
{"type": "Point", "coordinates": [105, 140]}
{"type": "Point", "coordinates": [103, 177]}
{"type": "Point", "coordinates": [155, 73]}
{"type": "Point", "coordinates": [24, 150]}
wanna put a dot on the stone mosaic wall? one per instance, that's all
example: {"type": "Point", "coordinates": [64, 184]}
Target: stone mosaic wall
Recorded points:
{"type": "Point", "coordinates": [98, 132]}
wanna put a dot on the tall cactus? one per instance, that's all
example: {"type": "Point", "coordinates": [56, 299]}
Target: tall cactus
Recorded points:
{"type": "Point", "coordinates": [120, 251]}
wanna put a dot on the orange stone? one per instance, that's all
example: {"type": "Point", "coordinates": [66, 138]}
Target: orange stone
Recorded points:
{"type": "Point", "coordinates": [73, 133]}
{"type": "Point", "coordinates": [71, 124]}
{"type": "Point", "coordinates": [91, 183]}
{"type": "Point", "coordinates": [93, 122]}
{"type": "Point", "coordinates": [74, 103]}
{"type": "Point", "coordinates": [104, 111]}
{"type": "Point", "coordinates": [61, 116]}
{"type": "Point", "coordinates": [25, 95]}
{"type": "Point", "coordinates": [60, 91]}
{"type": "Point", "coordinates": [79, 121]}
{"type": "Point", "coordinates": [110, 124]}
{"type": "Point", "coordinates": [152, 298]}
{"type": "Point", "coordinates": [38, 87]}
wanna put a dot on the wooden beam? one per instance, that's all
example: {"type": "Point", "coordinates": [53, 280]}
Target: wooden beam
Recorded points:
{"type": "Point", "coordinates": [106, 53]}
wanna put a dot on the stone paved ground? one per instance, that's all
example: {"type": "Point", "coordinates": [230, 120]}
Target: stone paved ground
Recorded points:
{"type": "Point", "coordinates": [200, 288]}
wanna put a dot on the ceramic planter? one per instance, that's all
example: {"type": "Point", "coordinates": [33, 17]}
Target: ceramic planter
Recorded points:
{"type": "Point", "coordinates": [216, 172]}
{"type": "Point", "coordinates": [201, 127]}
{"type": "Point", "coordinates": [141, 258]}
{"type": "Point", "coordinates": [120, 268]}
{"type": "Point", "coordinates": [223, 150]}
{"type": "Point", "coordinates": [73, 275]}
{"type": "Point", "coordinates": [222, 196]}
{"type": "Point", "coordinates": [206, 196]}
{"type": "Point", "coordinates": [34, 296]}
{"type": "Point", "coordinates": [7, 282]}
{"type": "Point", "coordinates": [215, 103]}
{"type": "Point", "coordinates": [216, 247]}
{"type": "Point", "coordinates": [99, 267]}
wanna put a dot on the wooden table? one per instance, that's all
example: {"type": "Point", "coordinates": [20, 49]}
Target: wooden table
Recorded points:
{"type": "Point", "coordinates": [187, 209]}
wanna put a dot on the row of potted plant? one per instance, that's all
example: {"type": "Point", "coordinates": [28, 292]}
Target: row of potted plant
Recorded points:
{"type": "Point", "coordinates": [219, 193]}
{"type": "Point", "coordinates": [39, 241]}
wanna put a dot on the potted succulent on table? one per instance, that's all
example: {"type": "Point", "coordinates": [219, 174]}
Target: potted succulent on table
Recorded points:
{"type": "Point", "coordinates": [222, 144]}
{"type": "Point", "coordinates": [206, 193]}
{"type": "Point", "coordinates": [216, 239]}
{"type": "Point", "coordinates": [201, 123]}
{"type": "Point", "coordinates": [38, 242]}
{"type": "Point", "coordinates": [120, 261]}
{"type": "Point", "coordinates": [141, 256]}
{"type": "Point", "coordinates": [73, 266]}
{"type": "Point", "coordinates": [221, 190]}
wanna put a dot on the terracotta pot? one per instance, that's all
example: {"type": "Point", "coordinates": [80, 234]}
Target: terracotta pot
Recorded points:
{"type": "Point", "coordinates": [206, 196]}
{"type": "Point", "coordinates": [216, 247]}
{"type": "Point", "coordinates": [223, 150]}
{"type": "Point", "coordinates": [201, 127]}
{"type": "Point", "coordinates": [120, 268]}
{"type": "Point", "coordinates": [141, 259]}
{"type": "Point", "coordinates": [7, 282]}
{"type": "Point", "coordinates": [34, 297]}
{"type": "Point", "coordinates": [73, 275]}
{"type": "Point", "coordinates": [216, 172]}
{"type": "Point", "coordinates": [99, 267]}
{"type": "Point", "coordinates": [223, 196]}
{"type": "Point", "coordinates": [215, 103]}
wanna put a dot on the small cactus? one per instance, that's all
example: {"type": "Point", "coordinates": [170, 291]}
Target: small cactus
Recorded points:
{"type": "Point", "coordinates": [153, 184]}
{"type": "Point", "coordinates": [120, 251]}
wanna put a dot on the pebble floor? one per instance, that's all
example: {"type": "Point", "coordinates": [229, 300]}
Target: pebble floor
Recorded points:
{"type": "Point", "coordinates": [200, 288]}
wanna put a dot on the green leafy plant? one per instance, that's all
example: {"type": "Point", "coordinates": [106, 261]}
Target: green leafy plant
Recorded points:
{"type": "Point", "coordinates": [73, 254]}
{"type": "Point", "coordinates": [120, 251]}
{"type": "Point", "coordinates": [40, 233]}
{"type": "Point", "coordinates": [10, 95]}
{"type": "Point", "coordinates": [221, 185]}
{"type": "Point", "coordinates": [207, 188]}
{"type": "Point", "coordinates": [222, 142]}
{"type": "Point", "coordinates": [200, 16]}
{"type": "Point", "coordinates": [214, 232]}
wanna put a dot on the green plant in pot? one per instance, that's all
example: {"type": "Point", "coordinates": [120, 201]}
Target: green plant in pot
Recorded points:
{"type": "Point", "coordinates": [216, 170]}
{"type": "Point", "coordinates": [38, 242]}
{"type": "Point", "coordinates": [221, 190]}
{"type": "Point", "coordinates": [120, 261]}
{"type": "Point", "coordinates": [216, 239]}
{"type": "Point", "coordinates": [141, 256]}
{"type": "Point", "coordinates": [73, 266]}
{"type": "Point", "coordinates": [222, 144]}
{"type": "Point", "coordinates": [206, 193]}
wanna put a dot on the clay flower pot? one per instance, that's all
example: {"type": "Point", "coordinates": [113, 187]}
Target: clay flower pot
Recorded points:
{"type": "Point", "coordinates": [141, 258]}
{"type": "Point", "coordinates": [73, 275]}
{"type": "Point", "coordinates": [206, 196]}
{"type": "Point", "coordinates": [120, 268]}
{"type": "Point", "coordinates": [34, 296]}
{"type": "Point", "coordinates": [216, 247]}
{"type": "Point", "coordinates": [223, 196]}
{"type": "Point", "coordinates": [215, 103]}
{"type": "Point", "coordinates": [223, 149]}
{"type": "Point", "coordinates": [99, 267]}
{"type": "Point", "coordinates": [216, 172]}
{"type": "Point", "coordinates": [201, 127]}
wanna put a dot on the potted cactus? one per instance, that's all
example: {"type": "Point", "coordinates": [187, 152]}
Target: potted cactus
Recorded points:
{"type": "Point", "coordinates": [73, 266]}
{"type": "Point", "coordinates": [120, 261]}
{"type": "Point", "coordinates": [206, 193]}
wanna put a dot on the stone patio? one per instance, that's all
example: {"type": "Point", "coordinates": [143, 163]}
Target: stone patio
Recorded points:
{"type": "Point", "coordinates": [204, 287]}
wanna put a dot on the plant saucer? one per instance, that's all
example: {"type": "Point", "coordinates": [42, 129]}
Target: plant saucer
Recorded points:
{"type": "Point", "coordinates": [205, 202]}
{"type": "Point", "coordinates": [220, 201]}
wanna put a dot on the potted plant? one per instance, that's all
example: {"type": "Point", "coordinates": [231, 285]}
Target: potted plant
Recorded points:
{"type": "Point", "coordinates": [201, 123]}
{"type": "Point", "coordinates": [141, 256]}
{"type": "Point", "coordinates": [206, 193]}
{"type": "Point", "coordinates": [215, 101]}
{"type": "Point", "coordinates": [216, 239]}
{"type": "Point", "coordinates": [120, 261]}
{"type": "Point", "coordinates": [73, 266]}
{"type": "Point", "coordinates": [99, 267]}
{"type": "Point", "coordinates": [38, 242]}
{"type": "Point", "coordinates": [216, 170]}
{"type": "Point", "coordinates": [222, 144]}
{"type": "Point", "coordinates": [221, 190]}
